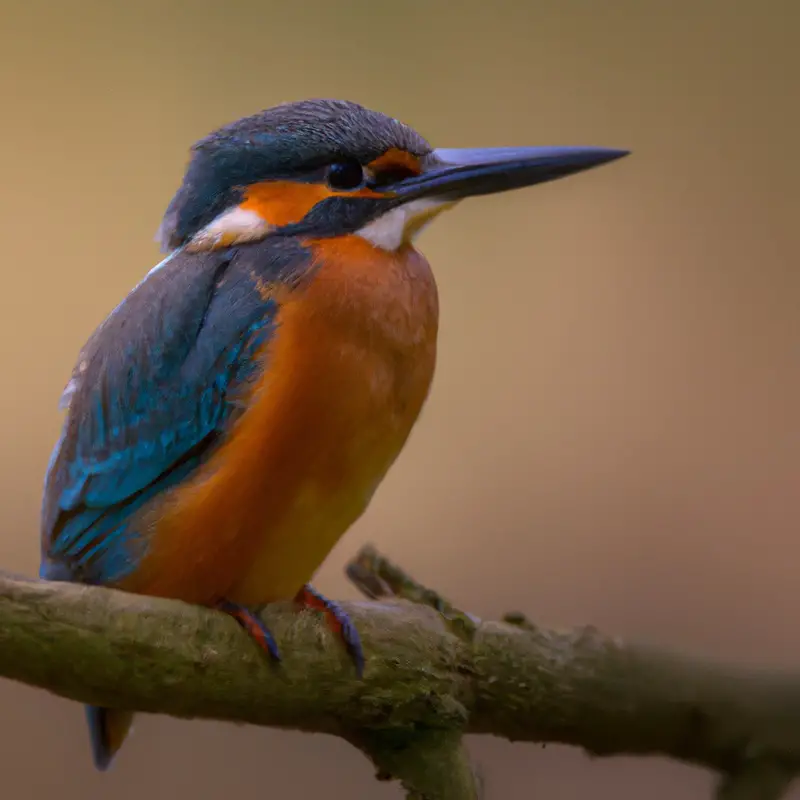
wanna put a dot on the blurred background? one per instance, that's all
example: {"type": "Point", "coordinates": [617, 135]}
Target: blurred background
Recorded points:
{"type": "Point", "coordinates": [613, 434]}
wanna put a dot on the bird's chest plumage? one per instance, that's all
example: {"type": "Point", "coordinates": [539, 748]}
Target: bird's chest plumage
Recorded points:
{"type": "Point", "coordinates": [346, 376]}
{"type": "Point", "coordinates": [351, 369]}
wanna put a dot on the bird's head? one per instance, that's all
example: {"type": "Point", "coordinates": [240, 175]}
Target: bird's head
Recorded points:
{"type": "Point", "coordinates": [322, 168]}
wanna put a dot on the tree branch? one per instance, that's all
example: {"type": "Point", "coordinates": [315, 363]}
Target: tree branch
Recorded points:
{"type": "Point", "coordinates": [758, 779]}
{"type": "Point", "coordinates": [433, 673]}
{"type": "Point", "coordinates": [430, 764]}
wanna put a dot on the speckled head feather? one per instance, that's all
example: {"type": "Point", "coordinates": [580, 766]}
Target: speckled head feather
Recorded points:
{"type": "Point", "coordinates": [288, 141]}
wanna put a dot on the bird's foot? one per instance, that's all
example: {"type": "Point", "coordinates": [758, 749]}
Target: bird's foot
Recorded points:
{"type": "Point", "coordinates": [307, 597]}
{"type": "Point", "coordinates": [338, 620]}
{"type": "Point", "coordinates": [253, 625]}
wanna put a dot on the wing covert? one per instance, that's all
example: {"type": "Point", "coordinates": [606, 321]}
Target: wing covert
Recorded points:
{"type": "Point", "coordinates": [154, 387]}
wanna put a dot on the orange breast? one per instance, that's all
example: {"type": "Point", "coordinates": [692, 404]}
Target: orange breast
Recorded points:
{"type": "Point", "coordinates": [348, 372]}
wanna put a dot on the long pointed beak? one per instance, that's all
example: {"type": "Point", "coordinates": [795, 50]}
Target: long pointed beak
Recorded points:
{"type": "Point", "coordinates": [455, 174]}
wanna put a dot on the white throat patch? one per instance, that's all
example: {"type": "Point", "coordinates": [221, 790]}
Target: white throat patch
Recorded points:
{"type": "Point", "coordinates": [403, 223]}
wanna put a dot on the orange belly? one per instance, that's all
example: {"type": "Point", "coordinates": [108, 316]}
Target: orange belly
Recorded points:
{"type": "Point", "coordinates": [347, 374]}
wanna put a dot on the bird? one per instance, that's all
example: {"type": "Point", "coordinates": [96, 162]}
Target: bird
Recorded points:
{"type": "Point", "coordinates": [234, 415]}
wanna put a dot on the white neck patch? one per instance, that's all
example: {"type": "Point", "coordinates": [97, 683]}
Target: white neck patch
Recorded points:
{"type": "Point", "coordinates": [403, 223]}
{"type": "Point", "coordinates": [234, 226]}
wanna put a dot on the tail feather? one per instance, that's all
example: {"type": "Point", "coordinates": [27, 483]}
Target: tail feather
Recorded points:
{"type": "Point", "coordinates": [108, 728]}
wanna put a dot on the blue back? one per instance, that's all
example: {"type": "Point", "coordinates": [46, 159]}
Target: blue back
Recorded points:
{"type": "Point", "coordinates": [155, 388]}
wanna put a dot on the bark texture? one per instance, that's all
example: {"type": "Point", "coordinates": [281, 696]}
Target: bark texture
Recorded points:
{"type": "Point", "coordinates": [433, 673]}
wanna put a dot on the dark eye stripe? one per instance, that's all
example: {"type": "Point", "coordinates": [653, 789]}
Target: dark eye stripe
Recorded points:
{"type": "Point", "coordinates": [392, 174]}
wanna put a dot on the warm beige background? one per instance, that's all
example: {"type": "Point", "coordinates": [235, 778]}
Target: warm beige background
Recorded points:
{"type": "Point", "coordinates": [613, 432]}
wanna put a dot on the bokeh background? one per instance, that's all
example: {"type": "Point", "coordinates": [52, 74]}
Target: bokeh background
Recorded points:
{"type": "Point", "coordinates": [613, 431]}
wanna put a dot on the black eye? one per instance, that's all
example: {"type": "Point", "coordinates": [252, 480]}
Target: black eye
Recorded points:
{"type": "Point", "coordinates": [345, 175]}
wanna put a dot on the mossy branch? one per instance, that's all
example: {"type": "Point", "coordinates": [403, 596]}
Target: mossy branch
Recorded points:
{"type": "Point", "coordinates": [433, 673]}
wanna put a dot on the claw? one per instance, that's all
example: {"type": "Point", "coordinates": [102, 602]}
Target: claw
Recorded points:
{"type": "Point", "coordinates": [253, 625]}
{"type": "Point", "coordinates": [337, 618]}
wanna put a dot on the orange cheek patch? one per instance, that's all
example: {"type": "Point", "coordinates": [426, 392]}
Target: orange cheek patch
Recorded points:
{"type": "Point", "coordinates": [285, 202]}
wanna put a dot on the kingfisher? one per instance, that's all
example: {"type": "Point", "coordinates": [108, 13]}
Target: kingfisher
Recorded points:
{"type": "Point", "coordinates": [234, 415]}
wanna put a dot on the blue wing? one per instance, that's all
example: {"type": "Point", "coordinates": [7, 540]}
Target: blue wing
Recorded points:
{"type": "Point", "coordinates": [153, 390]}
